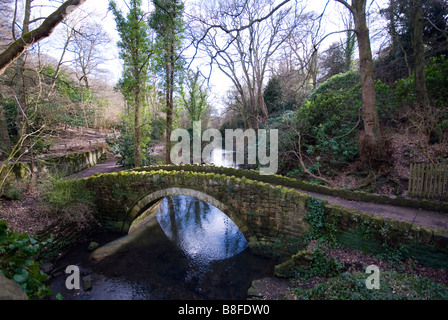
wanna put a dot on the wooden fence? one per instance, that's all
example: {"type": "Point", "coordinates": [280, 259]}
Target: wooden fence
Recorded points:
{"type": "Point", "coordinates": [428, 181]}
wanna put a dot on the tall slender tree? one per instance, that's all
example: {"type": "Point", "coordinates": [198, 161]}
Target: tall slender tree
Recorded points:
{"type": "Point", "coordinates": [136, 52]}
{"type": "Point", "coordinates": [372, 130]}
{"type": "Point", "coordinates": [194, 97]}
{"type": "Point", "coordinates": [167, 22]}
{"type": "Point", "coordinates": [421, 92]}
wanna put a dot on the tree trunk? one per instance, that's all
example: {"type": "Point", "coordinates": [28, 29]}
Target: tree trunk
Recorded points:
{"type": "Point", "coordinates": [169, 103]}
{"type": "Point", "coordinates": [5, 142]}
{"type": "Point", "coordinates": [313, 68]}
{"type": "Point", "coordinates": [421, 92]}
{"type": "Point", "coordinates": [20, 80]}
{"type": "Point", "coordinates": [137, 134]}
{"type": "Point", "coordinates": [371, 121]}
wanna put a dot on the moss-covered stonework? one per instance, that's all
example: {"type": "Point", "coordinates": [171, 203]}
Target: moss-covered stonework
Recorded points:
{"type": "Point", "coordinates": [265, 214]}
{"type": "Point", "coordinates": [64, 165]}
{"type": "Point", "coordinates": [299, 184]}
{"type": "Point", "coordinates": [385, 236]}
{"type": "Point", "coordinates": [274, 218]}
{"type": "Point", "coordinates": [299, 262]}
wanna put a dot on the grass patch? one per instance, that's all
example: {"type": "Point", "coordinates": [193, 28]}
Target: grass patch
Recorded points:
{"type": "Point", "coordinates": [70, 200]}
{"type": "Point", "coordinates": [393, 286]}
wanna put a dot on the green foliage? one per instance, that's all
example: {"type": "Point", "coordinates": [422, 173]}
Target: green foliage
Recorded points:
{"type": "Point", "coordinates": [17, 252]}
{"type": "Point", "coordinates": [331, 118]}
{"type": "Point", "coordinates": [276, 97]}
{"type": "Point", "coordinates": [70, 199]}
{"type": "Point", "coordinates": [296, 173]}
{"type": "Point", "coordinates": [166, 20]}
{"type": "Point", "coordinates": [137, 50]}
{"type": "Point", "coordinates": [194, 100]}
{"type": "Point", "coordinates": [321, 229]}
{"type": "Point", "coordinates": [322, 265]}
{"type": "Point", "coordinates": [437, 80]}
{"type": "Point", "coordinates": [315, 217]}
{"type": "Point", "coordinates": [329, 115]}
{"type": "Point", "coordinates": [157, 129]}
{"type": "Point", "coordinates": [395, 64]}
{"type": "Point", "coordinates": [10, 109]}
{"type": "Point", "coordinates": [72, 104]}
{"type": "Point", "coordinates": [436, 72]}
{"type": "Point", "coordinates": [393, 286]}
{"type": "Point", "coordinates": [123, 144]}
{"type": "Point", "coordinates": [334, 60]}
{"type": "Point", "coordinates": [12, 191]}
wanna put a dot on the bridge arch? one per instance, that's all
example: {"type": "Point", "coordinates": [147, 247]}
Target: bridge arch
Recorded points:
{"type": "Point", "coordinates": [271, 217]}
{"type": "Point", "coordinates": [153, 198]}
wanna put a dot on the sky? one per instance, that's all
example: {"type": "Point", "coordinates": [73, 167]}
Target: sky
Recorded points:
{"type": "Point", "coordinates": [220, 84]}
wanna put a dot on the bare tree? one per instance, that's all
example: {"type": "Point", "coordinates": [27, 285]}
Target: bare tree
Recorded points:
{"type": "Point", "coordinates": [7, 11]}
{"type": "Point", "coordinates": [27, 39]}
{"type": "Point", "coordinates": [241, 39]}
{"type": "Point", "coordinates": [301, 51]}
{"type": "Point", "coordinates": [88, 46]}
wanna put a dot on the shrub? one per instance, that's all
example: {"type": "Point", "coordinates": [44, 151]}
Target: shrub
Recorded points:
{"type": "Point", "coordinates": [70, 200]}
{"type": "Point", "coordinates": [436, 72]}
{"type": "Point", "coordinates": [123, 144]}
{"type": "Point", "coordinates": [331, 118]}
{"type": "Point", "coordinates": [393, 286]}
{"type": "Point", "coordinates": [17, 254]}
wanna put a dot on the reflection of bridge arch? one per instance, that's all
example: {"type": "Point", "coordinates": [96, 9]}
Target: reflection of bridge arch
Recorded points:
{"type": "Point", "coordinates": [153, 198]}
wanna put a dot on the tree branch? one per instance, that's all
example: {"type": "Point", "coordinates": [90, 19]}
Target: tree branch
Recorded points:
{"type": "Point", "coordinates": [18, 47]}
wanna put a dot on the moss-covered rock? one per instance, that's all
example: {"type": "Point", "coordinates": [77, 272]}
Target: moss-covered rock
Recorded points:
{"type": "Point", "coordinates": [301, 261]}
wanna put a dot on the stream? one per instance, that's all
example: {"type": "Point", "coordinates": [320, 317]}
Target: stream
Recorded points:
{"type": "Point", "coordinates": [189, 250]}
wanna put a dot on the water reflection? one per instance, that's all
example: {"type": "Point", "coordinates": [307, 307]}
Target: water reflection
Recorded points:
{"type": "Point", "coordinates": [202, 232]}
{"type": "Point", "coordinates": [189, 251]}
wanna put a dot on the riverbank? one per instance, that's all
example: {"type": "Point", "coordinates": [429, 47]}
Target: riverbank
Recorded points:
{"type": "Point", "coordinates": [26, 215]}
{"type": "Point", "coordinates": [405, 280]}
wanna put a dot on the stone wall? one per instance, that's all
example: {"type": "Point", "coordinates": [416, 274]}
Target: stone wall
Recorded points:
{"type": "Point", "coordinates": [9, 290]}
{"type": "Point", "coordinates": [64, 165]}
{"type": "Point", "coordinates": [380, 235]}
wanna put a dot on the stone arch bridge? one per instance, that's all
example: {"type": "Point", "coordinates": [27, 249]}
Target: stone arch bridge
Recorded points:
{"type": "Point", "coordinates": [267, 215]}
{"type": "Point", "coordinates": [269, 211]}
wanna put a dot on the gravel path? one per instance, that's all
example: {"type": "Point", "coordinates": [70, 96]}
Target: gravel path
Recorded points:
{"type": "Point", "coordinates": [431, 219]}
